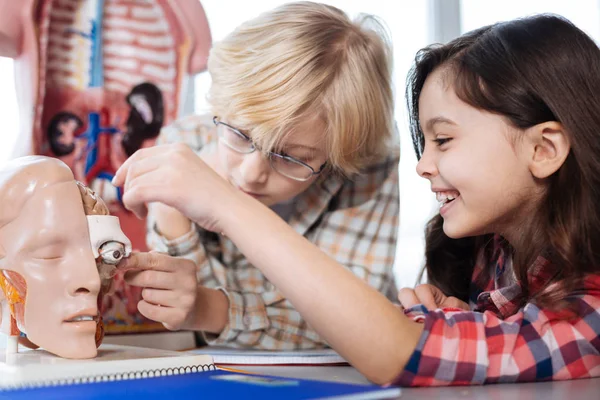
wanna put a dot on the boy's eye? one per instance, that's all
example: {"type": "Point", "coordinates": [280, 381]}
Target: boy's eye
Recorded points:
{"type": "Point", "coordinates": [303, 158]}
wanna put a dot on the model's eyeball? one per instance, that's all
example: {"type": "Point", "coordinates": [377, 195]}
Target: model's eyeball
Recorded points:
{"type": "Point", "coordinates": [112, 252]}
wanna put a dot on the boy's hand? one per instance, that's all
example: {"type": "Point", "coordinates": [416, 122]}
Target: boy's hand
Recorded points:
{"type": "Point", "coordinates": [175, 176]}
{"type": "Point", "coordinates": [169, 288]}
{"type": "Point", "coordinates": [430, 296]}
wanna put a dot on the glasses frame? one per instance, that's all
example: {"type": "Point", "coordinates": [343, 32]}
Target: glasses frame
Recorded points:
{"type": "Point", "coordinates": [270, 154]}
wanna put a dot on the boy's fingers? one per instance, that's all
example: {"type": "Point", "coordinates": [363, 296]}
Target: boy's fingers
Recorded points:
{"type": "Point", "coordinates": [151, 279]}
{"type": "Point", "coordinates": [148, 261]}
{"type": "Point", "coordinates": [121, 174]}
{"type": "Point", "coordinates": [166, 298]}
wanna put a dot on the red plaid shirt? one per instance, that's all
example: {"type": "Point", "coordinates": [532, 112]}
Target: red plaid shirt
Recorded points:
{"type": "Point", "coordinates": [499, 342]}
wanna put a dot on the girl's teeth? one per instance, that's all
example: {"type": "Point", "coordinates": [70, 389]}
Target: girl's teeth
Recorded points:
{"type": "Point", "coordinates": [444, 198]}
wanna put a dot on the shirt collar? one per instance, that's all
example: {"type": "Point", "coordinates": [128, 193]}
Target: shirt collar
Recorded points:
{"type": "Point", "coordinates": [311, 204]}
{"type": "Point", "coordinates": [500, 294]}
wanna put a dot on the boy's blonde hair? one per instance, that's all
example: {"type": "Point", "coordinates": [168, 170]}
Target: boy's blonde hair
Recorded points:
{"type": "Point", "coordinates": [302, 60]}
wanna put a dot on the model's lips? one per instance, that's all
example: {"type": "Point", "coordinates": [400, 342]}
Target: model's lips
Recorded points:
{"type": "Point", "coordinates": [84, 316]}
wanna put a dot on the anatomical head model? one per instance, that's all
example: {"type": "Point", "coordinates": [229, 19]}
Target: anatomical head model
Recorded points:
{"type": "Point", "coordinates": [58, 249]}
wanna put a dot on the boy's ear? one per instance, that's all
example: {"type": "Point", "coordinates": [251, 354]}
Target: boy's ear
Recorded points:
{"type": "Point", "coordinates": [550, 148]}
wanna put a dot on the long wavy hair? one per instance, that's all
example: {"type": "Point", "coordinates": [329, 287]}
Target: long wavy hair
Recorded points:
{"type": "Point", "coordinates": [530, 71]}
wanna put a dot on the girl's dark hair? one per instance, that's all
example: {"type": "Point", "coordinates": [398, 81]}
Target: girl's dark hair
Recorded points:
{"type": "Point", "coordinates": [530, 71]}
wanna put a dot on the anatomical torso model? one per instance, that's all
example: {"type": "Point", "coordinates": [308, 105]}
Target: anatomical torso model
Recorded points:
{"type": "Point", "coordinates": [96, 80]}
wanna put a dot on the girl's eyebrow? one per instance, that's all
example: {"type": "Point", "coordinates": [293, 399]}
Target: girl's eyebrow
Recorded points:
{"type": "Point", "coordinates": [432, 122]}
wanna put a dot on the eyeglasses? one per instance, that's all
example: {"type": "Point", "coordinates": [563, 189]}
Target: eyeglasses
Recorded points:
{"type": "Point", "coordinates": [281, 163]}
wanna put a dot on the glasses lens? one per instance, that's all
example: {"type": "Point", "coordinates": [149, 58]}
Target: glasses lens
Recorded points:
{"type": "Point", "coordinates": [235, 140]}
{"type": "Point", "coordinates": [290, 168]}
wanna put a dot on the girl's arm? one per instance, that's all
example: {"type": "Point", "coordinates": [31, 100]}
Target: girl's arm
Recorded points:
{"type": "Point", "coordinates": [355, 319]}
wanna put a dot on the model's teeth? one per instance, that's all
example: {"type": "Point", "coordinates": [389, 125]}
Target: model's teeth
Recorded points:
{"type": "Point", "coordinates": [82, 318]}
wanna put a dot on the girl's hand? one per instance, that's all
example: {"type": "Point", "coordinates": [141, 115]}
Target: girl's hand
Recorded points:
{"type": "Point", "coordinates": [169, 288]}
{"type": "Point", "coordinates": [175, 176]}
{"type": "Point", "coordinates": [430, 296]}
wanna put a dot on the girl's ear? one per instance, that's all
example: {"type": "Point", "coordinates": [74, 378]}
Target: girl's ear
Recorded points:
{"type": "Point", "coordinates": [550, 148]}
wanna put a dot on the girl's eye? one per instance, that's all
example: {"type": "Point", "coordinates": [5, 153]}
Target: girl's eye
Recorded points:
{"type": "Point", "coordinates": [441, 141]}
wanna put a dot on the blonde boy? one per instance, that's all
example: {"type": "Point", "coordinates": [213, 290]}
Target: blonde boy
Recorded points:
{"type": "Point", "coordinates": [302, 120]}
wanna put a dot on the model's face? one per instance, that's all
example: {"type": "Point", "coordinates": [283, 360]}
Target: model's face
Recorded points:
{"type": "Point", "coordinates": [49, 246]}
{"type": "Point", "coordinates": [252, 173]}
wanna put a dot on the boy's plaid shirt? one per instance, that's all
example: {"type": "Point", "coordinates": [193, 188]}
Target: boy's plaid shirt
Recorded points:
{"type": "Point", "coordinates": [501, 342]}
{"type": "Point", "coordinates": [354, 221]}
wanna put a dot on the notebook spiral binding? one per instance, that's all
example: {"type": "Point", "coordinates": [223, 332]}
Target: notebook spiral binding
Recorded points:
{"type": "Point", "coordinates": [143, 374]}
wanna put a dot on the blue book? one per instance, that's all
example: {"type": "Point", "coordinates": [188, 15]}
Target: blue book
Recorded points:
{"type": "Point", "coordinates": [217, 384]}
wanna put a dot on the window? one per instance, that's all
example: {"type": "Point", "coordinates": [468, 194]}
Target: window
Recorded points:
{"type": "Point", "coordinates": [9, 111]}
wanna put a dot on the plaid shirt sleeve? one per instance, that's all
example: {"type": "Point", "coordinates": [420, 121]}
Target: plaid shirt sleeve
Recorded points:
{"type": "Point", "coordinates": [195, 132]}
{"type": "Point", "coordinates": [362, 232]}
{"type": "Point", "coordinates": [357, 227]}
{"type": "Point", "coordinates": [533, 344]}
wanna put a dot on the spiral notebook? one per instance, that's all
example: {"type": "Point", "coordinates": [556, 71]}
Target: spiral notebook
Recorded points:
{"type": "Point", "coordinates": [230, 356]}
{"type": "Point", "coordinates": [38, 368]}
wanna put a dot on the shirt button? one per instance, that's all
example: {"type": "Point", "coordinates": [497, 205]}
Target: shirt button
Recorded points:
{"type": "Point", "coordinates": [247, 320]}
